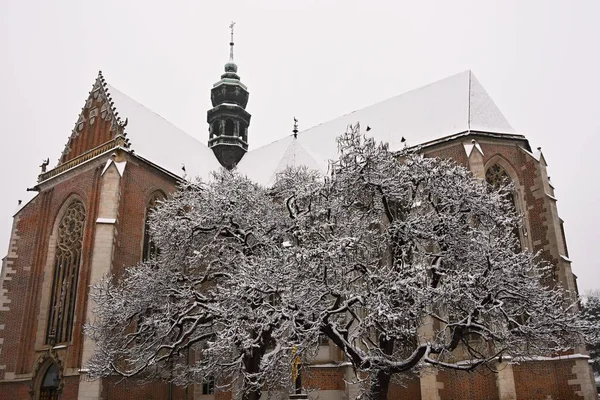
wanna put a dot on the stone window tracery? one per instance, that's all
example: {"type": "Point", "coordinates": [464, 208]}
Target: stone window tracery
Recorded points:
{"type": "Point", "coordinates": [67, 260]}
{"type": "Point", "coordinates": [497, 177]}
{"type": "Point", "coordinates": [149, 248]}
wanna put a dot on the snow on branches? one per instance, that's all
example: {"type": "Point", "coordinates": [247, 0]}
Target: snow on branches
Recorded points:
{"type": "Point", "coordinates": [402, 261]}
{"type": "Point", "coordinates": [212, 302]}
{"type": "Point", "coordinates": [413, 262]}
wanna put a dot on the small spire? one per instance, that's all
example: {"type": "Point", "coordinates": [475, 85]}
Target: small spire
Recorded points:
{"type": "Point", "coordinates": [295, 130]}
{"type": "Point", "coordinates": [231, 25]}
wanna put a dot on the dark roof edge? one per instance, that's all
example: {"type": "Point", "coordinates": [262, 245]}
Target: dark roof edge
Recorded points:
{"type": "Point", "coordinates": [483, 134]}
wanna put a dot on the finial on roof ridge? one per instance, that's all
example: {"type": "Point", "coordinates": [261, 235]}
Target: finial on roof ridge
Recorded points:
{"type": "Point", "coordinates": [295, 130]}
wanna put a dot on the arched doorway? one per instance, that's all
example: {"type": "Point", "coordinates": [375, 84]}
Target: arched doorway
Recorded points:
{"type": "Point", "coordinates": [50, 384]}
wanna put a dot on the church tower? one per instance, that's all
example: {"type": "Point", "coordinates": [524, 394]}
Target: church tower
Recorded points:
{"type": "Point", "coordinates": [228, 120]}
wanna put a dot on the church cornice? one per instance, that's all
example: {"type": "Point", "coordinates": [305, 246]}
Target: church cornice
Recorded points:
{"type": "Point", "coordinates": [475, 134]}
{"type": "Point", "coordinates": [119, 142]}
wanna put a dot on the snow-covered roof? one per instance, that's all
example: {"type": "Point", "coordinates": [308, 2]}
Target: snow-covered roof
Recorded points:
{"type": "Point", "coordinates": [450, 106]}
{"type": "Point", "coordinates": [453, 105]}
{"type": "Point", "coordinates": [158, 141]}
{"type": "Point", "coordinates": [264, 163]}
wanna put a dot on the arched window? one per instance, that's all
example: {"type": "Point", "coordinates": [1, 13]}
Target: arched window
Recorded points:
{"type": "Point", "coordinates": [66, 275]}
{"type": "Point", "coordinates": [229, 127]}
{"type": "Point", "coordinates": [216, 131]}
{"type": "Point", "coordinates": [50, 384]}
{"type": "Point", "coordinates": [497, 177]}
{"type": "Point", "coordinates": [149, 248]}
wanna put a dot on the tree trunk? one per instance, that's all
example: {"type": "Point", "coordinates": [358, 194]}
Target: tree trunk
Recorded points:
{"type": "Point", "coordinates": [380, 383]}
{"type": "Point", "coordinates": [380, 380]}
{"type": "Point", "coordinates": [251, 395]}
{"type": "Point", "coordinates": [251, 362]}
{"type": "Point", "coordinates": [252, 366]}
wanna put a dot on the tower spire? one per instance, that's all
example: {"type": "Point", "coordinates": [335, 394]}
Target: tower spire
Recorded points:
{"type": "Point", "coordinates": [231, 25]}
{"type": "Point", "coordinates": [228, 119]}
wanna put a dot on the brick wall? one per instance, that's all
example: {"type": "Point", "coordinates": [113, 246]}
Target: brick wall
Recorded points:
{"type": "Point", "coordinates": [24, 331]}
{"type": "Point", "coordinates": [460, 385]}
{"type": "Point", "coordinates": [14, 390]}
{"type": "Point", "coordinates": [138, 184]}
{"type": "Point", "coordinates": [15, 283]}
{"type": "Point", "coordinates": [29, 258]}
{"type": "Point", "coordinates": [117, 389]}
{"type": "Point", "coordinates": [323, 378]}
{"type": "Point", "coordinates": [408, 389]}
{"type": "Point", "coordinates": [543, 380]}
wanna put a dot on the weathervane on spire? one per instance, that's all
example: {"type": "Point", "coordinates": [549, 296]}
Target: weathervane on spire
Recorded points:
{"type": "Point", "coordinates": [231, 25]}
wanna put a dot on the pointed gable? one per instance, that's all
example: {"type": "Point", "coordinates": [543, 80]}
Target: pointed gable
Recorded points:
{"type": "Point", "coordinates": [265, 163]}
{"type": "Point", "coordinates": [137, 130]}
{"type": "Point", "coordinates": [97, 124]}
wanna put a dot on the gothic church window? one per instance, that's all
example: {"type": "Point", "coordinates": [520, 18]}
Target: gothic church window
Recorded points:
{"type": "Point", "coordinates": [149, 248]}
{"type": "Point", "coordinates": [66, 275]}
{"type": "Point", "coordinates": [497, 177]}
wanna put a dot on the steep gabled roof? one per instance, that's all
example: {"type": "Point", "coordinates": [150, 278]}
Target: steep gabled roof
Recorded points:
{"type": "Point", "coordinates": [454, 105]}
{"type": "Point", "coordinates": [158, 141]}
{"type": "Point", "coordinates": [450, 106]}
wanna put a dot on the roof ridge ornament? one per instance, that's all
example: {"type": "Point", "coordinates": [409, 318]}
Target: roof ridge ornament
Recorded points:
{"type": "Point", "coordinates": [295, 130]}
{"type": "Point", "coordinates": [231, 25]}
{"type": "Point", "coordinates": [231, 66]}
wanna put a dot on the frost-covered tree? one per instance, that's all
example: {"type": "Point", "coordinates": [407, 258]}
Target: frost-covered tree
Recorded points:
{"type": "Point", "coordinates": [212, 303]}
{"type": "Point", "coordinates": [414, 262]}
{"type": "Point", "coordinates": [591, 312]}
{"type": "Point", "coordinates": [402, 261]}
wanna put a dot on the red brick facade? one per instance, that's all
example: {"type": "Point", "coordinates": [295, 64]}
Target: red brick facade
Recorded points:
{"type": "Point", "coordinates": [535, 380]}
{"type": "Point", "coordinates": [27, 269]}
{"type": "Point", "coordinates": [407, 389]}
{"type": "Point", "coordinates": [323, 378]}
{"type": "Point", "coordinates": [458, 385]}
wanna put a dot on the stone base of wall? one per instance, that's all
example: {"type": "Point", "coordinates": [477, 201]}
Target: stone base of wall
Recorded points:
{"type": "Point", "coordinates": [547, 379]}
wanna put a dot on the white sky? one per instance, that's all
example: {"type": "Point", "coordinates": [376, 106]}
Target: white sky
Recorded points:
{"type": "Point", "coordinates": [314, 59]}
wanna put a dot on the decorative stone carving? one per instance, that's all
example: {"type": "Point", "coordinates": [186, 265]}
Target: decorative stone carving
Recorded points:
{"type": "Point", "coordinates": [93, 115]}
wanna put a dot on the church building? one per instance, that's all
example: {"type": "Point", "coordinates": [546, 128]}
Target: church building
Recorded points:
{"type": "Point", "coordinates": [88, 219]}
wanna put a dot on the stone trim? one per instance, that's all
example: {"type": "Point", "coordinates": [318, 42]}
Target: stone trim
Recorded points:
{"type": "Point", "coordinates": [6, 275]}
{"type": "Point", "coordinates": [117, 142]}
{"type": "Point", "coordinates": [46, 288]}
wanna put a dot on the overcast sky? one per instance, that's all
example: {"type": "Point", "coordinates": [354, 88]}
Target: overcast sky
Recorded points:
{"type": "Point", "coordinates": [538, 60]}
